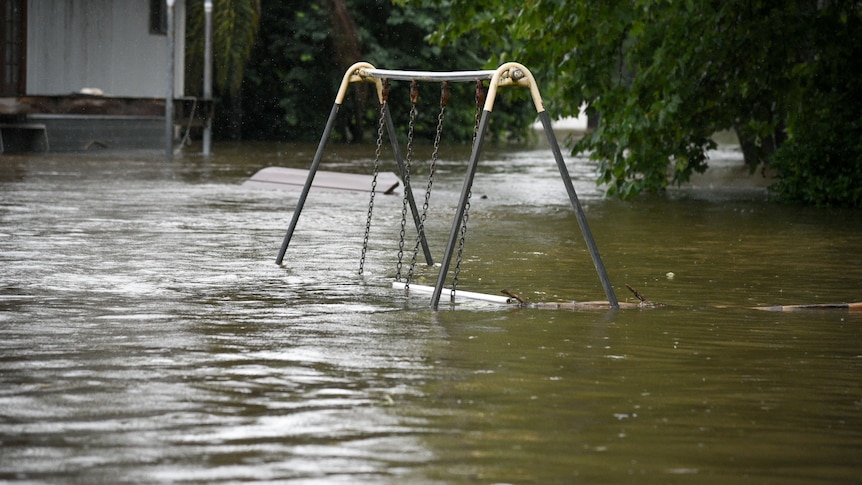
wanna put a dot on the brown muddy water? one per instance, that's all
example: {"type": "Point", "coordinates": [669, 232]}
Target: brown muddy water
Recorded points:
{"type": "Point", "coordinates": [146, 335]}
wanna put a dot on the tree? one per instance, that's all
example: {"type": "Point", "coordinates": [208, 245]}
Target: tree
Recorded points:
{"type": "Point", "coordinates": [821, 162]}
{"type": "Point", "coordinates": [305, 47]}
{"type": "Point", "coordinates": [235, 26]}
{"type": "Point", "coordinates": [665, 75]}
{"type": "Point", "coordinates": [347, 47]}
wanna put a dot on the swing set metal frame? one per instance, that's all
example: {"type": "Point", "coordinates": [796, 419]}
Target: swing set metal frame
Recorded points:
{"type": "Point", "coordinates": [508, 74]}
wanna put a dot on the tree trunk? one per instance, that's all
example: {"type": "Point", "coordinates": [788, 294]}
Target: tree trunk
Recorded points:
{"type": "Point", "coordinates": [233, 130]}
{"type": "Point", "coordinates": [346, 43]}
{"type": "Point", "coordinates": [755, 153]}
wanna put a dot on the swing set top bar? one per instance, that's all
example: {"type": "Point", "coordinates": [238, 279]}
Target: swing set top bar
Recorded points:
{"type": "Point", "coordinates": [453, 76]}
{"type": "Point", "coordinates": [508, 74]}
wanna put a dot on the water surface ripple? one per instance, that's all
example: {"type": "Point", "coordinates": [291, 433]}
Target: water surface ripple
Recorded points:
{"type": "Point", "coordinates": [146, 335]}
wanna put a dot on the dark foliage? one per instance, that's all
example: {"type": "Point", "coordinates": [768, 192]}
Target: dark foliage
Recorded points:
{"type": "Point", "coordinates": [293, 76]}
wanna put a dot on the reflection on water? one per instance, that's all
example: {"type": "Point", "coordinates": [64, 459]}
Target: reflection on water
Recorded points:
{"type": "Point", "coordinates": [147, 336]}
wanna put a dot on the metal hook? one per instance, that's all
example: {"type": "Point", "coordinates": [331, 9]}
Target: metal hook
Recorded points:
{"type": "Point", "coordinates": [384, 94]}
{"type": "Point", "coordinates": [481, 92]}
{"type": "Point", "coordinates": [414, 91]}
{"type": "Point", "coordinates": [444, 94]}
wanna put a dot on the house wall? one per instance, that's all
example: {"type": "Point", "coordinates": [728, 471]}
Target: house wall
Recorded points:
{"type": "Point", "coordinates": [104, 44]}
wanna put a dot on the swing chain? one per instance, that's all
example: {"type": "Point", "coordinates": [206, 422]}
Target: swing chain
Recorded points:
{"type": "Point", "coordinates": [435, 156]}
{"type": "Point", "coordinates": [481, 93]}
{"type": "Point", "coordinates": [385, 97]}
{"type": "Point", "coordinates": [414, 97]}
{"type": "Point", "coordinates": [460, 256]}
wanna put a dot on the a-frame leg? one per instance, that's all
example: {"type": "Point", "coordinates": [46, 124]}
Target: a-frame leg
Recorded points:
{"type": "Point", "coordinates": [567, 181]}
{"type": "Point", "coordinates": [308, 181]}
{"type": "Point", "coordinates": [462, 208]}
{"type": "Point", "coordinates": [579, 212]}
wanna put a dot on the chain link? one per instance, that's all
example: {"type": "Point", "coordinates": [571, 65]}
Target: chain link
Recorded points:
{"type": "Point", "coordinates": [373, 185]}
{"type": "Point", "coordinates": [481, 92]}
{"type": "Point", "coordinates": [460, 256]}
{"type": "Point", "coordinates": [435, 156]}
{"type": "Point", "coordinates": [414, 97]}
{"type": "Point", "coordinates": [403, 221]}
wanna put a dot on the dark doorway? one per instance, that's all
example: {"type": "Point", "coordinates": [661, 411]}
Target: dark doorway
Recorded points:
{"type": "Point", "coordinates": [13, 47]}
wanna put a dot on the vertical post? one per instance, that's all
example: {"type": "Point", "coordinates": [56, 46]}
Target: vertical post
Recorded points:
{"type": "Point", "coordinates": [579, 212]}
{"type": "Point", "coordinates": [169, 97]}
{"type": "Point", "coordinates": [208, 75]}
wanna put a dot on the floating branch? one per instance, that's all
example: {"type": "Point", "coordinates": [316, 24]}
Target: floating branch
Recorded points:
{"type": "Point", "coordinates": [851, 307]}
{"type": "Point", "coordinates": [512, 294]}
{"type": "Point", "coordinates": [638, 295]}
{"type": "Point", "coordinates": [574, 305]}
{"type": "Point", "coordinates": [644, 303]}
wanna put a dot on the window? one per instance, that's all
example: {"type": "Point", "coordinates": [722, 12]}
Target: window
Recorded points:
{"type": "Point", "coordinates": [158, 17]}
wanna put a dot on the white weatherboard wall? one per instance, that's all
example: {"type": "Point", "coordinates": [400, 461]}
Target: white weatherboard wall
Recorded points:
{"type": "Point", "coordinates": [104, 44]}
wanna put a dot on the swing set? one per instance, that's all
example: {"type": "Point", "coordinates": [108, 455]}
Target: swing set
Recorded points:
{"type": "Point", "coordinates": [508, 74]}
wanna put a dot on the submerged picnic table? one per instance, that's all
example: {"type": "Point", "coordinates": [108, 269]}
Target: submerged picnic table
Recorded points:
{"type": "Point", "coordinates": [289, 178]}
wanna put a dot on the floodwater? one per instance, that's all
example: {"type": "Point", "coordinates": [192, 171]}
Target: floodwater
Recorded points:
{"type": "Point", "coordinates": [147, 336]}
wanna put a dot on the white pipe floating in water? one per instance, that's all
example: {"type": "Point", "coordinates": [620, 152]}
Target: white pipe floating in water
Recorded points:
{"type": "Point", "coordinates": [398, 285]}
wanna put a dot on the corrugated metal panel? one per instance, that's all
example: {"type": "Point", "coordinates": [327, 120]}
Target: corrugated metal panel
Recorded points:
{"type": "Point", "coordinates": [103, 44]}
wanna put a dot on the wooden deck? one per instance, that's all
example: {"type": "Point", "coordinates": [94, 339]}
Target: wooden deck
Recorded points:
{"type": "Point", "coordinates": [81, 104]}
{"type": "Point", "coordinates": [80, 122]}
